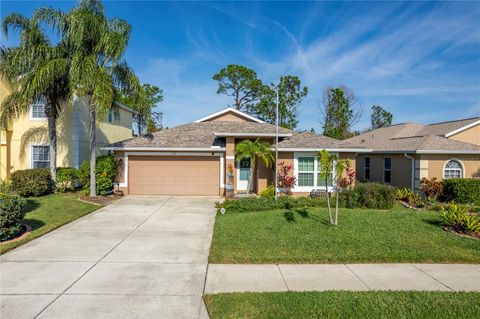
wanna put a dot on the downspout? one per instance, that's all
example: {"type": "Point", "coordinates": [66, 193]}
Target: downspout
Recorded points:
{"type": "Point", "coordinates": [412, 174]}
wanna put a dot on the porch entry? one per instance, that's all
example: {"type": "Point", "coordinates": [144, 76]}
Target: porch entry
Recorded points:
{"type": "Point", "coordinates": [243, 174]}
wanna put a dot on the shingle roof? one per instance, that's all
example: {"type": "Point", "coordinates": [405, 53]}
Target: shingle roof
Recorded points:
{"type": "Point", "coordinates": [416, 137]}
{"type": "Point", "coordinates": [197, 135]}
{"type": "Point", "coordinates": [309, 140]}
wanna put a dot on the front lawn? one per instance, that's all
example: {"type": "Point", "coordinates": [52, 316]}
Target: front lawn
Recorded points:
{"type": "Point", "coordinates": [363, 236]}
{"type": "Point", "coordinates": [329, 304]}
{"type": "Point", "coordinates": [49, 212]}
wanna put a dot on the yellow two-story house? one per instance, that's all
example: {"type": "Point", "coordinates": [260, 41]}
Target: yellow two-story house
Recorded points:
{"type": "Point", "coordinates": [25, 142]}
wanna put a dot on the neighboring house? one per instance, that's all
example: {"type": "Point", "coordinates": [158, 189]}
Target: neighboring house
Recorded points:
{"type": "Point", "coordinates": [194, 158]}
{"type": "Point", "coordinates": [25, 143]}
{"type": "Point", "coordinates": [405, 153]}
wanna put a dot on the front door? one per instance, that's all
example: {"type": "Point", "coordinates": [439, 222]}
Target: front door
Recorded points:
{"type": "Point", "coordinates": [243, 173]}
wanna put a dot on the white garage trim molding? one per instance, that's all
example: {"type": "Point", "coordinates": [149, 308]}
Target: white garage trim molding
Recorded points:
{"type": "Point", "coordinates": [210, 154]}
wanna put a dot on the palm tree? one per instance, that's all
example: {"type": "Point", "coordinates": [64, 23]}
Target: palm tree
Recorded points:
{"type": "Point", "coordinates": [340, 165]}
{"type": "Point", "coordinates": [248, 149]}
{"type": "Point", "coordinates": [95, 67]}
{"type": "Point", "coordinates": [21, 66]}
{"type": "Point", "coordinates": [326, 171]}
{"type": "Point", "coordinates": [332, 165]}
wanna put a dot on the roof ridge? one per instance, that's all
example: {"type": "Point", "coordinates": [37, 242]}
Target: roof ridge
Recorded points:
{"type": "Point", "coordinates": [451, 121]}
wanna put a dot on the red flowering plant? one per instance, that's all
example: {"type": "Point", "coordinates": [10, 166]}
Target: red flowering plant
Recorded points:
{"type": "Point", "coordinates": [285, 181]}
{"type": "Point", "coordinates": [347, 181]}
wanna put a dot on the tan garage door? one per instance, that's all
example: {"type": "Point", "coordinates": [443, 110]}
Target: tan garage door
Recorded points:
{"type": "Point", "coordinates": [173, 175]}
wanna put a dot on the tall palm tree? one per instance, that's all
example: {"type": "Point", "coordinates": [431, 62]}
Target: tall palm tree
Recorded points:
{"type": "Point", "coordinates": [248, 149]}
{"type": "Point", "coordinates": [21, 66]}
{"type": "Point", "coordinates": [340, 165]}
{"type": "Point", "coordinates": [326, 171]}
{"type": "Point", "coordinates": [95, 67]}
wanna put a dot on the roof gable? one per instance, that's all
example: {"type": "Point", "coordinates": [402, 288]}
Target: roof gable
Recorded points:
{"type": "Point", "coordinates": [229, 115]}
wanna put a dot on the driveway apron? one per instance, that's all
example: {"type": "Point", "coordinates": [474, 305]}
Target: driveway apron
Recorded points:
{"type": "Point", "coordinates": [140, 257]}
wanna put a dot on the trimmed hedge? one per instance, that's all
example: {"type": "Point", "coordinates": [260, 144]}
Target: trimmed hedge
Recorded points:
{"type": "Point", "coordinates": [11, 213]}
{"type": "Point", "coordinates": [462, 190]}
{"type": "Point", "coordinates": [255, 204]}
{"type": "Point", "coordinates": [105, 172]}
{"type": "Point", "coordinates": [32, 182]}
{"type": "Point", "coordinates": [67, 179]}
{"type": "Point", "coordinates": [369, 195]}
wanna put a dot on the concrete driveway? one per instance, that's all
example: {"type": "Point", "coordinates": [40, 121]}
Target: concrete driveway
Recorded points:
{"type": "Point", "coordinates": [140, 257]}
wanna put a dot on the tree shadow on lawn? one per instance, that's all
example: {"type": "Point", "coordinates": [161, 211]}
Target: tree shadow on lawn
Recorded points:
{"type": "Point", "coordinates": [289, 216]}
{"type": "Point", "coordinates": [34, 223]}
{"type": "Point", "coordinates": [32, 204]}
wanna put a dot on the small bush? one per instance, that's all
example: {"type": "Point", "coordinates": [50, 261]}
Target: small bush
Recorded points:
{"type": "Point", "coordinates": [412, 198]}
{"type": "Point", "coordinates": [32, 182]}
{"type": "Point", "coordinates": [268, 192]}
{"type": "Point", "coordinates": [462, 190]}
{"type": "Point", "coordinates": [11, 213]}
{"type": "Point", "coordinates": [432, 188]}
{"type": "Point", "coordinates": [457, 218]}
{"type": "Point", "coordinates": [5, 186]}
{"type": "Point", "coordinates": [255, 204]}
{"type": "Point", "coordinates": [67, 179]}
{"type": "Point", "coordinates": [369, 195]}
{"type": "Point", "coordinates": [105, 172]}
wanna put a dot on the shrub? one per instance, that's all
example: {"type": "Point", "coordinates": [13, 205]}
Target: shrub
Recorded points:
{"type": "Point", "coordinates": [67, 178]}
{"type": "Point", "coordinates": [456, 217]}
{"type": "Point", "coordinates": [369, 195]}
{"type": "Point", "coordinates": [5, 186]}
{"type": "Point", "coordinates": [105, 172]}
{"type": "Point", "coordinates": [285, 181]}
{"type": "Point", "coordinates": [32, 182]}
{"type": "Point", "coordinates": [409, 196]}
{"type": "Point", "coordinates": [462, 190]}
{"type": "Point", "coordinates": [268, 192]}
{"type": "Point", "coordinates": [432, 188]}
{"type": "Point", "coordinates": [11, 213]}
{"type": "Point", "coordinates": [254, 204]}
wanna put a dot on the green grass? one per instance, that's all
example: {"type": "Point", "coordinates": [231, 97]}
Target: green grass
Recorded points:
{"type": "Point", "coordinates": [329, 304]}
{"type": "Point", "coordinates": [363, 236]}
{"type": "Point", "coordinates": [49, 212]}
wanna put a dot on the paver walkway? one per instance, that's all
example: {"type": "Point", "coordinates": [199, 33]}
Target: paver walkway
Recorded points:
{"type": "Point", "coordinates": [354, 277]}
{"type": "Point", "coordinates": [140, 257]}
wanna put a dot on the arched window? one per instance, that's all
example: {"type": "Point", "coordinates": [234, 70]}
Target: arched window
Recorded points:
{"type": "Point", "coordinates": [453, 169]}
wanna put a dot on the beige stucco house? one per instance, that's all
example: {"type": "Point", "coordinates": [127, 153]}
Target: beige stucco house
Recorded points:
{"type": "Point", "coordinates": [403, 154]}
{"type": "Point", "coordinates": [196, 158]}
{"type": "Point", "coordinates": [25, 144]}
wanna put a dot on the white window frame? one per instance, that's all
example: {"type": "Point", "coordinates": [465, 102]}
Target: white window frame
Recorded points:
{"type": "Point", "coordinates": [369, 168]}
{"type": "Point", "coordinates": [462, 172]}
{"type": "Point", "coordinates": [385, 169]}
{"type": "Point", "coordinates": [32, 118]}
{"type": "Point", "coordinates": [307, 189]}
{"type": "Point", "coordinates": [31, 153]}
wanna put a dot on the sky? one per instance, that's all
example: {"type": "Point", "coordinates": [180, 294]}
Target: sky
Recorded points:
{"type": "Point", "coordinates": [418, 60]}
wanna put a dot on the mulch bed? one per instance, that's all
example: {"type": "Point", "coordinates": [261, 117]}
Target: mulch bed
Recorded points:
{"type": "Point", "coordinates": [461, 234]}
{"type": "Point", "coordinates": [26, 231]}
{"type": "Point", "coordinates": [100, 200]}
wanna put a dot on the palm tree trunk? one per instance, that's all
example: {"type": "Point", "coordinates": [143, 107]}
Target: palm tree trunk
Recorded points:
{"type": "Point", "coordinates": [52, 140]}
{"type": "Point", "coordinates": [139, 126]}
{"type": "Point", "coordinates": [336, 206]}
{"type": "Point", "coordinates": [328, 200]}
{"type": "Point", "coordinates": [93, 155]}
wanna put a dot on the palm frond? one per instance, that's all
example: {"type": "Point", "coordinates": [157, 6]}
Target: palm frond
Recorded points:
{"type": "Point", "coordinates": [13, 107]}
{"type": "Point", "coordinates": [14, 21]}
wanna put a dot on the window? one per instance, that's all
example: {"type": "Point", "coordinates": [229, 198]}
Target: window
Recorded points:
{"type": "Point", "coordinates": [38, 109]}
{"type": "Point", "coordinates": [453, 169]}
{"type": "Point", "coordinates": [306, 171]}
{"type": "Point", "coordinates": [367, 168]}
{"type": "Point", "coordinates": [40, 156]}
{"type": "Point", "coordinates": [320, 180]}
{"type": "Point", "coordinates": [387, 170]}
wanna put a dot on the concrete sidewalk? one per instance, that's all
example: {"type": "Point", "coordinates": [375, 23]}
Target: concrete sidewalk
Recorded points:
{"type": "Point", "coordinates": [353, 277]}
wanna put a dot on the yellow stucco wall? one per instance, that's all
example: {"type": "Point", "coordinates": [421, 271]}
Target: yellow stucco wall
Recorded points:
{"type": "Point", "coordinates": [472, 135]}
{"type": "Point", "coordinates": [72, 140]}
{"type": "Point", "coordinates": [400, 172]}
{"type": "Point", "coordinates": [436, 164]}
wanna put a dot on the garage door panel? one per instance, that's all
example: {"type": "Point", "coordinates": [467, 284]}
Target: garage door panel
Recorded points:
{"type": "Point", "coordinates": [173, 175]}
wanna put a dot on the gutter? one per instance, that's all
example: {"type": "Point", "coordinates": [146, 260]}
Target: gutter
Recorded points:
{"type": "Point", "coordinates": [252, 134]}
{"type": "Point", "coordinates": [412, 182]}
{"type": "Point", "coordinates": [200, 149]}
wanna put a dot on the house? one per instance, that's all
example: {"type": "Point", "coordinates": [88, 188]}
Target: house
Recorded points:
{"type": "Point", "coordinates": [25, 144]}
{"type": "Point", "coordinates": [194, 158]}
{"type": "Point", "coordinates": [405, 153]}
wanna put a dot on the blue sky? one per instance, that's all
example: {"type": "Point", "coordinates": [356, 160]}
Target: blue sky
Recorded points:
{"type": "Point", "coordinates": [419, 60]}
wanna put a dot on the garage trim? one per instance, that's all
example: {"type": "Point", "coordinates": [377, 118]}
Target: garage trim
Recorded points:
{"type": "Point", "coordinates": [210, 154]}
